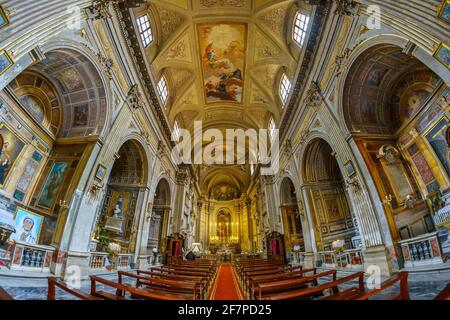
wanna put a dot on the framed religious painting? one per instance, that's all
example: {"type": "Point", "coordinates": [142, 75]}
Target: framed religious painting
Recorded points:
{"type": "Point", "coordinates": [11, 147]}
{"type": "Point", "coordinates": [28, 226]}
{"type": "Point", "coordinates": [444, 11]}
{"type": "Point", "coordinates": [349, 169]}
{"type": "Point", "coordinates": [4, 20]}
{"type": "Point", "coordinates": [52, 185]}
{"type": "Point", "coordinates": [5, 62]}
{"type": "Point", "coordinates": [442, 54]}
{"type": "Point", "coordinates": [101, 172]}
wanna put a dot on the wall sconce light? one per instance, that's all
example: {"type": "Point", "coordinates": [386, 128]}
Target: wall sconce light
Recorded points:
{"type": "Point", "coordinates": [387, 200]}
{"type": "Point", "coordinates": [63, 204]}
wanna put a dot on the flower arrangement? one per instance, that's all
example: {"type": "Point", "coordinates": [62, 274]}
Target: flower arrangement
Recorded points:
{"type": "Point", "coordinates": [338, 245]}
{"type": "Point", "coordinates": [114, 248]}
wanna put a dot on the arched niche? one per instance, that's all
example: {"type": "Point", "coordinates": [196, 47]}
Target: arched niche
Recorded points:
{"type": "Point", "coordinates": [56, 108]}
{"type": "Point", "coordinates": [290, 214]}
{"type": "Point", "coordinates": [119, 216]}
{"type": "Point", "coordinates": [224, 225]}
{"type": "Point", "coordinates": [160, 217]}
{"type": "Point", "coordinates": [327, 196]}
{"type": "Point", "coordinates": [392, 107]}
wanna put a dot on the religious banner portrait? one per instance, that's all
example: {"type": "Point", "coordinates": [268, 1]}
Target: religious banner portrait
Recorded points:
{"type": "Point", "coordinates": [28, 226]}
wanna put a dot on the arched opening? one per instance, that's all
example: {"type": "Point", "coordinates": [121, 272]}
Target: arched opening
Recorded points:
{"type": "Point", "coordinates": [392, 107]}
{"type": "Point", "coordinates": [327, 198]}
{"type": "Point", "coordinates": [290, 213]}
{"type": "Point", "coordinates": [55, 110]}
{"type": "Point", "coordinates": [119, 217]}
{"type": "Point", "coordinates": [224, 231]}
{"type": "Point", "coordinates": [160, 217]}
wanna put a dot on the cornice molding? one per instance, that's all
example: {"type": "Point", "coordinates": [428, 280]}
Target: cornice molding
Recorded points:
{"type": "Point", "coordinates": [318, 24]}
{"type": "Point", "coordinates": [127, 28]}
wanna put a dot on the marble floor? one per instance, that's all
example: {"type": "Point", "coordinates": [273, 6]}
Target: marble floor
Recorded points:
{"type": "Point", "coordinates": [422, 286]}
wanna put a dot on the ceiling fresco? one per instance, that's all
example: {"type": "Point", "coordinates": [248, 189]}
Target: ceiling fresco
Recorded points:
{"type": "Point", "coordinates": [223, 61]}
{"type": "Point", "coordinates": [222, 50]}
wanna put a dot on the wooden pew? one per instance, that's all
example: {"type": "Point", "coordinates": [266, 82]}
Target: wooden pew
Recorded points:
{"type": "Point", "coordinates": [255, 280]}
{"type": "Point", "coordinates": [54, 282]}
{"type": "Point", "coordinates": [121, 289]}
{"type": "Point", "coordinates": [202, 280]}
{"type": "Point", "coordinates": [192, 272]}
{"type": "Point", "coordinates": [268, 271]}
{"type": "Point", "coordinates": [5, 295]}
{"type": "Point", "coordinates": [283, 286]}
{"type": "Point", "coordinates": [318, 290]}
{"type": "Point", "coordinates": [401, 277]}
{"type": "Point", "coordinates": [444, 294]}
{"type": "Point", "coordinates": [189, 289]}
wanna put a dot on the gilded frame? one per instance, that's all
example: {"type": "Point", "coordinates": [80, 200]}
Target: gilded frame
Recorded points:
{"type": "Point", "coordinates": [41, 217]}
{"type": "Point", "coordinates": [97, 175]}
{"type": "Point", "coordinates": [10, 60]}
{"type": "Point", "coordinates": [19, 156]}
{"type": "Point", "coordinates": [441, 11]}
{"type": "Point", "coordinates": [349, 172]}
{"type": "Point", "coordinates": [435, 54]}
{"type": "Point", "coordinates": [5, 18]}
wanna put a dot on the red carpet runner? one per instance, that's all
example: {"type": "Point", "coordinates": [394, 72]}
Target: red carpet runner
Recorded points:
{"type": "Point", "coordinates": [226, 286]}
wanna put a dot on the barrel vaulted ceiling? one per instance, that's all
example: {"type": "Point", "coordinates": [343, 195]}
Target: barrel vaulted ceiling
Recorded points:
{"type": "Point", "coordinates": [223, 60]}
{"type": "Point", "coordinates": [200, 42]}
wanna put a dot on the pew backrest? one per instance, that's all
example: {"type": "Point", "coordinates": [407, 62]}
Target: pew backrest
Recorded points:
{"type": "Point", "coordinates": [5, 295]}
{"type": "Point", "coordinates": [401, 277]}
{"type": "Point", "coordinates": [53, 283]}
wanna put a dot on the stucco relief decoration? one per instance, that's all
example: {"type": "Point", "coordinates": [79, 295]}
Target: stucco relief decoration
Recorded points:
{"type": "Point", "coordinates": [389, 153]}
{"type": "Point", "coordinates": [178, 51]}
{"type": "Point", "coordinates": [275, 20]}
{"type": "Point", "coordinates": [170, 21]}
{"type": "Point", "coordinates": [222, 3]}
{"type": "Point", "coordinates": [314, 97]}
{"type": "Point", "coordinates": [346, 7]}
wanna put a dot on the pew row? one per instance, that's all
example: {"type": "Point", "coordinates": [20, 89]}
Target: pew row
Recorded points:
{"type": "Point", "coordinates": [122, 289]}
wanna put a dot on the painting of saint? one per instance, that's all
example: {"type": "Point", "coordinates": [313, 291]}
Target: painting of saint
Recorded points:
{"type": "Point", "coordinates": [71, 79]}
{"type": "Point", "coordinates": [80, 115]}
{"type": "Point", "coordinates": [28, 226]}
{"type": "Point", "coordinates": [444, 13]}
{"type": "Point", "coordinates": [438, 141]}
{"type": "Point", "coordinates": [222, 47]}
{"type": "Point", "coordinates": [368, 112]}
{"type": "Point", "coordinates": [27, 176]}
{"type": "Point", "coordinates": [3, 17]}
{"type": "Point", "coordinates": [5, 62]}
{"type": "Point", "coordinates": [443, 55]}
{"type": "Point", "coordinates": [52, 185]}
{"type": "Point", "coordinates": [10, 148]}
{"type": "Point", "coordinates": [34, 106]}
{"type": "Point", "coordinates": [375, 76]}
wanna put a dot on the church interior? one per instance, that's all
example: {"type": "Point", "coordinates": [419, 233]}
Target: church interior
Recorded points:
{"type": "Point", "coordinates": [350, 98]}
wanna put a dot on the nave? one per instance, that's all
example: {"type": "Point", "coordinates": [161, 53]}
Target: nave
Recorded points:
{"type": "Point", "coordinates": [244, 279]}
{"type": "Point", "coordinates": [224, 149]}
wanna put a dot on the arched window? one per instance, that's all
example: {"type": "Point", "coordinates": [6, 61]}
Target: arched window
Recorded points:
{"type": "Point", "coordinates": [271, 128]}
{"type": "Point", "coordinates": [145, 30]}
{"type": "Point", "coordinates": [176, 131]}
{"type": "Point", "coordinates": [285, 87]}
{"type": "Point", "coordinates": [162, 89]}
{"type": "Point", "coordinates": [300, 26]}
